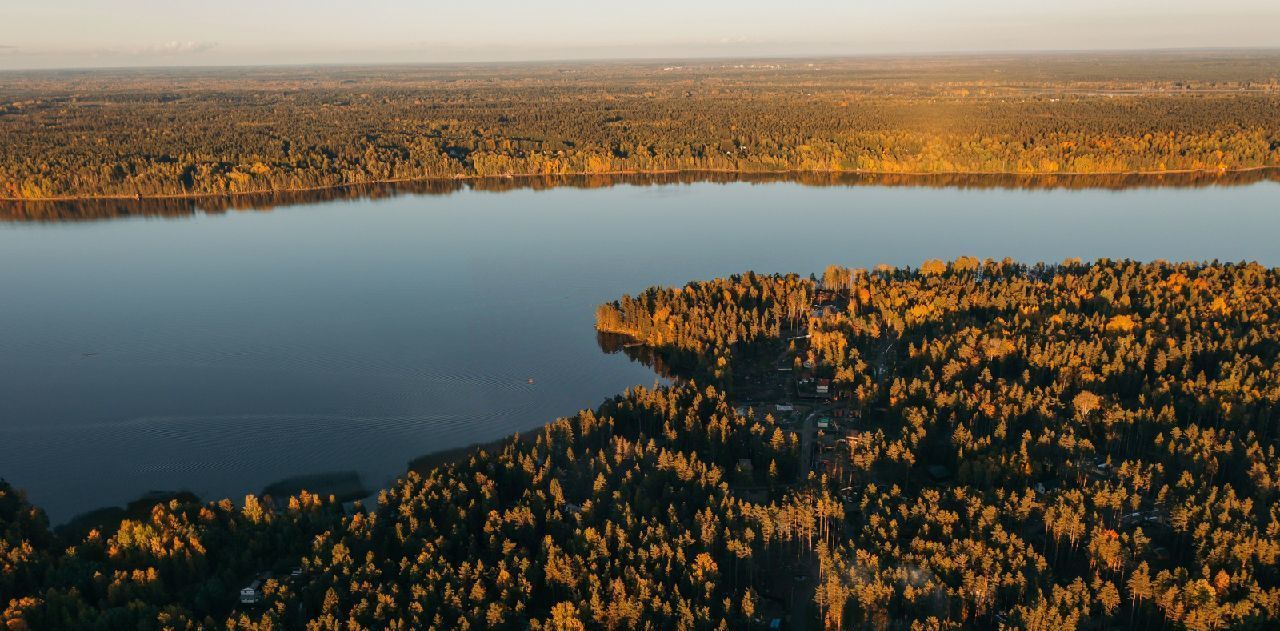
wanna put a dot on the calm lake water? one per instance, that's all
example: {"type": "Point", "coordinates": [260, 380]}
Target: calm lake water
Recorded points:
{"type": "Point", "coordinates": [218, 353]}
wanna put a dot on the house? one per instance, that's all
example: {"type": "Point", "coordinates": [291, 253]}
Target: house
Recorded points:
{"type": "Point", "coordinates": [824, 386]}
{"type": "Point", "coordinates": [824, 423]}
{"type": "Point", "coordinates": [785, 407]}
{"type": "Point", "coordinates": [252, 594]}
{"type": "Point", "coordinates": [823, 311]}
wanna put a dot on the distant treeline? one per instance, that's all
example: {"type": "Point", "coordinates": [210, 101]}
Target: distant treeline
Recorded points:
{"type": "Point", "coordinates": [113, 208]}
{"type": "Point", "coordinates": [213, 133]}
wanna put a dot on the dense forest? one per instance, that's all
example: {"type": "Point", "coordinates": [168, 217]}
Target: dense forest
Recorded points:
{"type": "Point", "coordinates": [1070, 446]}
{"type": "Point", "coordinates": [1048, 447]}
{"type": "Point", "coordinates": [212, 132]}
{"type": "Point", "coordinates": [621, 518]}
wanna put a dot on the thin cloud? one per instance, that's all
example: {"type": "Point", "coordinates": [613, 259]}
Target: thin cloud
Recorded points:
{"type": "Point", "coordinates": [175, 48]}
{"type": "Point", "coordinates": [163, 49]}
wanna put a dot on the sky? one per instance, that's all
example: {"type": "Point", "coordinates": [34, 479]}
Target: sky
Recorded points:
{"type": "Point", "coordinates": [107, 33]}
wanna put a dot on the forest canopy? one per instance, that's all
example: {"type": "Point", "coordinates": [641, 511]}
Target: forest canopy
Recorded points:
{"type": "Point", "coordinates": [194, 132]}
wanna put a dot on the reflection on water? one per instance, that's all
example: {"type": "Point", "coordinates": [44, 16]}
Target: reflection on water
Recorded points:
{"type": "Point", "coordinates": [178, 207]}
{"type": "Point", "coordinates": [221, 353]}
{"type": "Point", "coordinates": [615, 343]}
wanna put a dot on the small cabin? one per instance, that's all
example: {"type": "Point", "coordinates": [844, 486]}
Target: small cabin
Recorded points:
{"type": "Point", "coordinates": [251, 594]}
{"type": "Point", "coordinates": [824, 386]}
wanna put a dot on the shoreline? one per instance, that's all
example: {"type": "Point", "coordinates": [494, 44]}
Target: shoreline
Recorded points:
{"type": "Point", "coordinates": [784, 174]}
{"type": "Point", "coordinates": [344, 485]}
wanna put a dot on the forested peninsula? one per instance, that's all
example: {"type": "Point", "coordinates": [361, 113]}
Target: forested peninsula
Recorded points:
{"type": "Point", "coordinates": [212, 132]}
{"type": "Point", "coordinates": [973, 444]}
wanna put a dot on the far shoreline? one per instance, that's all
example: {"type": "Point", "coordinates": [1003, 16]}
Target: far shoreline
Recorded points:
{"type": "Point", "coordinates": [177, 206]}
{"type": "Point", "coordinates": [784, 174]}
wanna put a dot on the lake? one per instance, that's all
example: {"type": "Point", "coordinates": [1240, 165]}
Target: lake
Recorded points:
{"type": "Point", "coordinates": [219, 352]}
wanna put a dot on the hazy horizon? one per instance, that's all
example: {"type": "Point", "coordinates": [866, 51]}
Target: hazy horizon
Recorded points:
{"type": "Point", "coordinates": [146, 33]}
